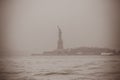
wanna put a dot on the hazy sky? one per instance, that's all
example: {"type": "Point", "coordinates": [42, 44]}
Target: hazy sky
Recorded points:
{"type": "Point", "coordinates": [32, 24]}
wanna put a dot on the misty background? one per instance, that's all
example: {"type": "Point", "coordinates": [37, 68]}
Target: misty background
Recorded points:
{"type": "Point", "coordinates": [31, 25]}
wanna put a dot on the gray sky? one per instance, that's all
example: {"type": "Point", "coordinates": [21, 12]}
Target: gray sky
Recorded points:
{"type": "Point", "coordinates": [32, 24]}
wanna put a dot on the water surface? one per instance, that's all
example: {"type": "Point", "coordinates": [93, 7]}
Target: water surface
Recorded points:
{"type": "Point", "coordinates": [60, 68]}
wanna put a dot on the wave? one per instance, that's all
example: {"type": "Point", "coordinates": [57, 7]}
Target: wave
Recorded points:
{"type": "Point", "coordinates": [64, 72]}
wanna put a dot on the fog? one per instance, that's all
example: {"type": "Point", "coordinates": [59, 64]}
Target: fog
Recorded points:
{"type": "Point", "coordinates": [31, 25]}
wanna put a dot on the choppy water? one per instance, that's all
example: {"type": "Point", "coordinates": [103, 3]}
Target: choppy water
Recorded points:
{"type": "Point", "coordinates": [60, 68]}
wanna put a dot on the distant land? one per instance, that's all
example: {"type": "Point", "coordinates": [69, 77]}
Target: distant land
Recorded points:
{"type": "Point", "coordinates": [82, 51]}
